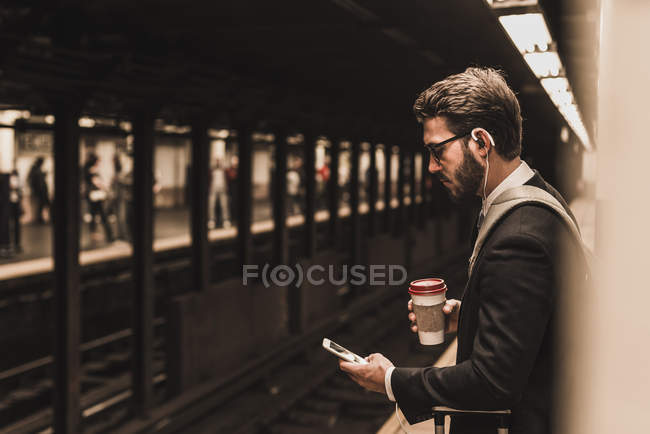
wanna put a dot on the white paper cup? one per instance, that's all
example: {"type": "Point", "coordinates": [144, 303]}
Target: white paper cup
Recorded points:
{"type": "Point", "coordinates": [428, 297]}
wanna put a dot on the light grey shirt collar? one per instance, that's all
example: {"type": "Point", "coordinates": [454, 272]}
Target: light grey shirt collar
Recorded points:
{"type": "Point", "coordinates": [518, 177]}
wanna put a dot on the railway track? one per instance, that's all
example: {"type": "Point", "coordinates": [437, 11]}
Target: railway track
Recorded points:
{"type": "Point", "coordinates": [306, 393]}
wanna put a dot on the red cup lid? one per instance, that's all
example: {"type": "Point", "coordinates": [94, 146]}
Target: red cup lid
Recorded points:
{"type": "Point", "coordinates": [429, 286]}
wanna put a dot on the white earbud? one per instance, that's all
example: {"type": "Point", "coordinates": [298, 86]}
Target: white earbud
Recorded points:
{"type": "Point", "coordinates": [481, 144]}
{"type": "Point", "coordinates": [487, 173]}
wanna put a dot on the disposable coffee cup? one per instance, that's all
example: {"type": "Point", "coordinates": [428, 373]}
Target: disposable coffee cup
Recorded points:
{"type": "Point", "coordinates": [428, 296]}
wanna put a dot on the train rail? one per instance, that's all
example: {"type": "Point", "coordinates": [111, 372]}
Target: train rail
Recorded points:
{"type": "Point", "coordinates": [298, 388]}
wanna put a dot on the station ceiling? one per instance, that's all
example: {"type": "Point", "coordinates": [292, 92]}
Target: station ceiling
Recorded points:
{"type": "Point", "coordinates": [338, 66]}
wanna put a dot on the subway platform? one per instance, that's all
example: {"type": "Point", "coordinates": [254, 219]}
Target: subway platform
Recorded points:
{"type": "Point", "coordinates": [301, 105]}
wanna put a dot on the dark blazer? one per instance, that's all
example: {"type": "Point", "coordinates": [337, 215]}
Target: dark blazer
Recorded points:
{"type": "Point", "coordinates": [506, 329]}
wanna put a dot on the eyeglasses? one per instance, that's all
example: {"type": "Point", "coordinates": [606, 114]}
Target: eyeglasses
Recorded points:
{"type": "Point", "coordinates": [436, 149]}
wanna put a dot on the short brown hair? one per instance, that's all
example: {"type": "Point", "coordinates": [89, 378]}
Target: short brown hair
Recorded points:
{"type": "Point", "coordinates": [477, 97]}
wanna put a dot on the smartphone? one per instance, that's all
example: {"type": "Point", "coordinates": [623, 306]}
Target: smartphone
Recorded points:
{"type": "Point", "coordinates": [343, 353]}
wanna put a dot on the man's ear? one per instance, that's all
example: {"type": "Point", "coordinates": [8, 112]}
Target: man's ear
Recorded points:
{"type": "Point", "coordinates": [483, 140]}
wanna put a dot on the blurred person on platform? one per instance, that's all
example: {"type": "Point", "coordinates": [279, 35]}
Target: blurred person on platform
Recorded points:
{"type": "Point", "coordinates": [39, 192]}
{"type": "Point", "coordinates": [126, 186]}
{"type": "Point", "coordinates": [231, 187]}
{"type": "Point", "coordinates": [294, 185]}
{"type": "Point", "coordinates": [96, 195]}
{"type": "Point", "coordinates": [218, 209]}
{"type": "Point", "coordinates": [15, 209]}
{"type": "Point", "coordinates": [118, 201]}
{"type": "Point", "coordinates": [507, 321]}
{"type": "Point", "coordinates": [322, 177]}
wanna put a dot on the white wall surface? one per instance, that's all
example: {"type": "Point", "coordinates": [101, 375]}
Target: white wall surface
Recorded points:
{"type": "Point", "coordinates": [608, 361]}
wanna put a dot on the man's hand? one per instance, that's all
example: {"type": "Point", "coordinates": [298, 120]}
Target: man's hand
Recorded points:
{"type": "Point", "coordinates": [370, 376]}
{"type": "Point", "coordinates": [451, 309]}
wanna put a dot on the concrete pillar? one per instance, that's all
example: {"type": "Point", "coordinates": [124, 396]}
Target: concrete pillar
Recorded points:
{"type": "Point", "coordinates": [7, 157]}
{"type": "Point", "coordinates": [143, 307]}
{"type": "Point", "coordinates": [67, 294]}
{"type": "Point", "coordinates": [199, 204]}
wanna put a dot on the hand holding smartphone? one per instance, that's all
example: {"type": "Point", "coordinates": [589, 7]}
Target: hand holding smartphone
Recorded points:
{"type": "Point", "coordinates": [343, 353]}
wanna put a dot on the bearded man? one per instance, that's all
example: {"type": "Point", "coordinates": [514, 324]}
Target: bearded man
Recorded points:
{"type": "Point", "coordinates": [506, 322]}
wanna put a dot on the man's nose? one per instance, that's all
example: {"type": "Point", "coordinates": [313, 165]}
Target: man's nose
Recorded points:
{"type": "Point", "coordinates": [433, 165]}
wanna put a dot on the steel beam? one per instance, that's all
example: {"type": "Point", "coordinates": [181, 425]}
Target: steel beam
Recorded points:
{"type": "Point", "coordinates": [244, 193]}
{"type": "Point", "coordinates": [5, 205]}
{"type": "Point", "coordinates": [400, 220]}
{"type": "Point", "coordinates": [411, 180]}
{"type": "Point", "coordinates": [388, 212]}
{"type": "Point", "coordinates": [199, 185]}
{"type": "Point", "coordinates": [279, 195]}
{"type": "Point", "coordinates": [354, 202]}
{"type": "Point", "coordinates": [372, 191]}
{"type": "Point", "coordinates": [424, 192]}
{"type": "Point", "coordinates": [310, 194]}
{"type": "Point", "coordinates": [334, 193]}
{"type": "Point", "coordinates": [143, 307]}
{"type": "Point", "coordinates": [67, 297]}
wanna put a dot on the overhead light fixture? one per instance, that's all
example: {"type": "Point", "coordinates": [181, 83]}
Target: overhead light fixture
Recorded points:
{"type": "Point", "coordinates": [572, 115]}
{"type": "Point", "coordinates": [560, 93]}
{"type": "Point", "coordinates": [527, 31]}
{"type": "Point", "coordinates": [218, 134]}
{"type": "Point", "coordinates": [554, 86]}
{"type": "Point", "coordinates": [263, 137]}
{"type": "Point", "coordinates": [295, 139]}
{"type": "Point", "coordinates": [545, 64]}
{"type": "Point", "coordinates": [176, 129]}
{"type": "Point", "coordinates": [86, 122]}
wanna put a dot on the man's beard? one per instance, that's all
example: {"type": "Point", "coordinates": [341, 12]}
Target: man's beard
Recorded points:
{"type": "Point", "coordinates": [468, 177]}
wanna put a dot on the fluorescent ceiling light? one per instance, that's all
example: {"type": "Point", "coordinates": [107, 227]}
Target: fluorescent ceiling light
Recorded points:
{"type": "Point", "coordinates": [555, 85]}
{"type": "Point", "coordinates": [530, 35]}
{"type": "Point", "coordinates": [176, 129]}
{"type": "Point", "coordinates": [558, 90]}
{"type": "Point", "coordinates": [544, 64]}
{"type": "Point", "coordinates": [527, 31]}
{"type": "Point", "coordinates": [86, 122]}
{"type": "Point", "coordinates": [562, 99]}
{"type": "Point", "coordinates": [218, 134]}
{"type": "Point", "coordinates": [561, 95]}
